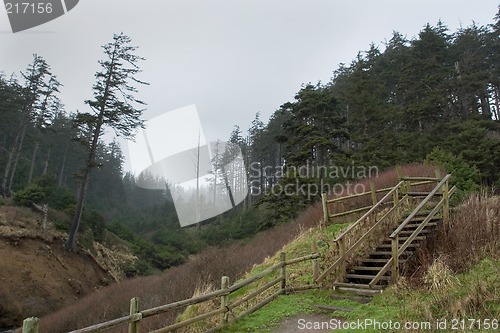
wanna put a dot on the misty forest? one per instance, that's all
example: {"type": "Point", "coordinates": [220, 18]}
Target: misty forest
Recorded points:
{"type": "Point", "coordinates": [433, 97]}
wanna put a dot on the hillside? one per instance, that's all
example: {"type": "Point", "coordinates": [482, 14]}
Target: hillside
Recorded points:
{"type": "Point", "coordinates": [37, 275]}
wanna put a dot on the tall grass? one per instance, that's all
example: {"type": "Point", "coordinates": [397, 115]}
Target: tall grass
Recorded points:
{"type": "Point", "coordinates": [205, 268]}
{"type": "Point", "coordinates": [471, 233]}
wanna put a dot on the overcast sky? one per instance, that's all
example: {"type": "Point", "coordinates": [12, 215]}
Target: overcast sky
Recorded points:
{"type": "Point", "coordinates": [230, 58]}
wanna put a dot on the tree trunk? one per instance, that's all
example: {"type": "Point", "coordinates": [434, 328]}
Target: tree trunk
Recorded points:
{"type": "Point", "coordinates": [71, 244]}
{"type": "Point", "coordinates": [46, 163]}
{"type": "Point", "coordinates": [16, 153]}
{"type": "Point", "coordinates": [63, 166]}
{"type": "Point", "coordinates": [33, 160]}
{"type": "Point", "coordinates": [75, 224]}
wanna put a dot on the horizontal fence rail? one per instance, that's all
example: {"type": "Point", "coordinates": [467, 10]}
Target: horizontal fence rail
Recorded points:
{"type": "Point", "coordinates": [228, 305]}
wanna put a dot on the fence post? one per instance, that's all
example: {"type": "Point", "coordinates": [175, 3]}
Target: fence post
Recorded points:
{"type": "Point", "coordinates": [446, 201]}
{"type": "Point", "coordinates": [341, 271]}
{"type": "Point", "coordinates": [373, 192]}
{"type": "Point", "coordinates": [30, 325]}
{"type": "Point", "coordinates": [395, 259]}
{"type": "Point", "coordinates": [315, 264]}
{"type": "Point", "coordinates": [398, 172]}
{"type": "Point", "coordinates": [326, 214]}
{"type": "Point", "coordinates": [283, 270]}
{"type": "Point", "coordinates": [135, 307]}
{"type": "Point", "coordinates": [224, 300]}
{"type": "Point", "coordinates": [395, 200]}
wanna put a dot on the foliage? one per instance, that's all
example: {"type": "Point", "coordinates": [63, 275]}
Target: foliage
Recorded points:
{"type": "Point", "coordinates": [464, 176]}
{"type": "Point", "coordinates": [31, 194]}
{"type": "Point", "coordinates": [45, 190]}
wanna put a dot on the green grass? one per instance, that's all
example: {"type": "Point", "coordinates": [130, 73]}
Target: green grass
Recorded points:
{"type": "Point", "coordinates": [269, 317]}
{"type": "Point", "coordinates": [475, 295]}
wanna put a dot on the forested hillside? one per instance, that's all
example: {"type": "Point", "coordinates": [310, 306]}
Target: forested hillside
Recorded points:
{"type": "Point", "coordinates": [435, 96]}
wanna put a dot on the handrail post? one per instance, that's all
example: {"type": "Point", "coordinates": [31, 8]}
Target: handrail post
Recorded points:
{"type": "Point", "coordinates": [373, 192]}
{"type": "Point", "coordinates": [326, 214]}
{"type": "Point", "coordinates": [283, 271]}
{"type": "Point", "coordinates": [398, 172]}
{"type": "Point", "coordinates": [315, 263]}
{"type": "Point", "coordinates": [395, 259]}
{"type": "Point", "coordinates": [135, 307]}
{"type": "Point", "coordinates": [341, 270]}
{"type": "Point", "coordinates": [395, 200]}
{"type": "Point", "coordinates": [30, 325]}
{"type": "Point", "coordinates": [224, 301]}
{"type": "Point", "coordinates": [446, 201]}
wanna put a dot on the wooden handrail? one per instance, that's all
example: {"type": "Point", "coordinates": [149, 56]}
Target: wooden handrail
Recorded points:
{"type": "Point", "coordinates": [359, 241]}
{"type": "Point", "coordinates": [428, 179]}
{"type": "Point", "coordinates": [379, 203]}
{"type": "Point", "coordinates": [394, 236]}
{"type": "Point", "coordinates": [420, 206]}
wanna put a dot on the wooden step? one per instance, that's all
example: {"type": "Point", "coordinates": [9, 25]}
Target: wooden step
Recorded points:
{"type": "Point", "coordinates": [409, 232]}
{"type": "Point", "coordinates": [404, 238]}
{"type": "Point", "coordinates": [423, 217]}
{"type": "Point", "coordinates": [389, 246]}
{"type": "Point", "coordinates": [365, 277]}
{"type": "Point", "coordinates": [379, 261]}
{"type": "Point", "coordinates": [388, 253]}
{"type": "Point", "coordinates": [360, 291]}
{"type": "Point", "coordinates": [419, 238]}
{"type": "Point", "coordinates": [415, 225]}
{"type": "Point", "coordinates": [366, 268]}
{"type": "Point", "coordinates": [356, 286]}
{"type": "Point", "coordinates": [419, 214]}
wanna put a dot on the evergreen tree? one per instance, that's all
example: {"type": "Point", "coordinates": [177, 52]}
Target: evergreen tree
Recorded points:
{"type": "Point", "coordinates": [114, 105]}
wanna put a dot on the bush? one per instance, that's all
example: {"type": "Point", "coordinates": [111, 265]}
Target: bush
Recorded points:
{"type": "Point", "coordinates": [464, 176]}
{"type": "Point", "coordinates": [45, 190]}
{"type": "Point", "coordinates": [29, 195]}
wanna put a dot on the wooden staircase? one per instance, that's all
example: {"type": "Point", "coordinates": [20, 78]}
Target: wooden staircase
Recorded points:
{"type": "Point", "coordinates": [368, 263]}
{"type": "Point", "coordinates": [360, 275]}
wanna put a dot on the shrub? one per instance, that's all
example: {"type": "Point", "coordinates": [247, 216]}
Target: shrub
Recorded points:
{"type": "Point", "coordinates": [29, 195]}
{"type": "Point", "coordinates": [464, 176]}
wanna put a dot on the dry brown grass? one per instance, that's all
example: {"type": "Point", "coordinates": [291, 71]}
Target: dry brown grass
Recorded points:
{"type": "Point", "coordinates": [472, 233]}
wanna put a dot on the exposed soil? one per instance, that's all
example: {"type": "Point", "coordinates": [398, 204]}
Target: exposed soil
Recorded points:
{"type": "Point", "coordinates": [37, 275]}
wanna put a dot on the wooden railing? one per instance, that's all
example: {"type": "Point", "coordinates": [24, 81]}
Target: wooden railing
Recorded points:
{"type": "Point", "coordinates": [368, 227]}
{"type": "Point", "coordinates": [350, 240]}
{"type": "Point", "coordinates": [227, 304]}
{"type": "Point", "coordinates": [343, 201]}
{"type": "Point", "coordinates": [441, 189]}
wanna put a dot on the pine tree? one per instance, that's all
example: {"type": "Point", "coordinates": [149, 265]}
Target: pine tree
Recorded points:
{"type": "Point", "coordinates": [114, 105]}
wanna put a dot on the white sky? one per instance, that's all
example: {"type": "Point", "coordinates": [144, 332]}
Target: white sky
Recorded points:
{"type": "Point", "coordinates": [230, 58]}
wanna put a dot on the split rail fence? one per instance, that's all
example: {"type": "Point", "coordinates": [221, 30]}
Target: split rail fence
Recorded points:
{"type": "Point", "coordinates": [227, 303]}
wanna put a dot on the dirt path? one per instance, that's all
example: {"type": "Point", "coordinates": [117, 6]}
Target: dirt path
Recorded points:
{"type": "Point", "coordinates": [306, 323]}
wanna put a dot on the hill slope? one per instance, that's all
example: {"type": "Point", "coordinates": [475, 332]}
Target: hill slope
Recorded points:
{"type": "Point", "coordinates": [37, 276]}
